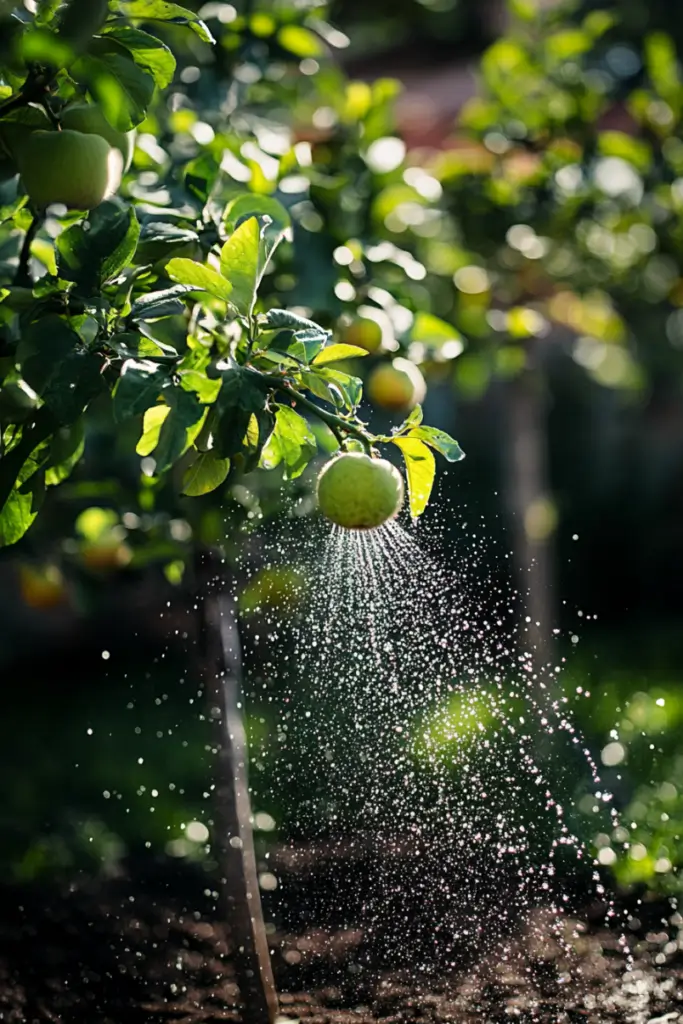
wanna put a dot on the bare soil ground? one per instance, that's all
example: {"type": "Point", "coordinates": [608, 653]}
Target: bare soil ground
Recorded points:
{"type": "Point", "coordinates": [147, 948]}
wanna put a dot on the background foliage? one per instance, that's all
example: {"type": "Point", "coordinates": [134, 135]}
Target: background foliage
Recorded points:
{"type": "Point", "coordinates": [540, 242]}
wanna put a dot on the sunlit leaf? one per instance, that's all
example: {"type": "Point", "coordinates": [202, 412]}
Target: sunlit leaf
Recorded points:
{"type": "Point", "coordinates": [430, 330]}
{"type": "Point", "coordinates": [250, 205]}
{"type": "Point", "coordinates": [180, 427]}
{"type": "Point", "coordinates": [160, 10]}
{"type": "Point", "coordinates": [97, 250]}
{"type": "Point", "coordinates": [206, 473]}
{"type": "Point", "coordinates": [147, 51]}
{"type": "Point", "coordinates": [121, 87]}
{"type": "Point", "coordinates": [206, 388]}
{"type": "Point", "coordinates": [151, 428]}
{"type": "Point", "coordinates": [293, 440]}
{"type": "Point", "coordinates": [420, 469]}
{"type": "Point", "coordinates": [240, 265]}
{"type": "Point", "coordinates": [199, 276]}
{"type": "Point", "coordinates": [300, 41]}
{"type": "Point", "coordinates": [440, 441]}
{"type": "Point", "coordinates": [335, 353]}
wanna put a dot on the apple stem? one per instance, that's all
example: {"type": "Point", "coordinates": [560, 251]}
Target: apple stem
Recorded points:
{"type": "Point", "coordinates": [54, 120]}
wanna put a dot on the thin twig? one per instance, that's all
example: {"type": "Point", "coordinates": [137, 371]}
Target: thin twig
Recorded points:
{"type": "Point", "coordinates": [34, 89]}
{"type": "Point", "coordinates": [23, 274]}
{"type": "Point", "coordinates": [334, 422]}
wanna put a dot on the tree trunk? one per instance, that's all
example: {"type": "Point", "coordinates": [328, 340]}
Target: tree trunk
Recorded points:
{"type": "Point", "coordinates": [530, 505]}
{"type": "Point", "coordinates": [240, 900]}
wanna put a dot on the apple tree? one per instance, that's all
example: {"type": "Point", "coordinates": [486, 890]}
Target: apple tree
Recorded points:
{"type": "Point", "coordinates": [157, 213]}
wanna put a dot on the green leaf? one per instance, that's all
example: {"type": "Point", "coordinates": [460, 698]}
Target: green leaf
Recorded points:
{"type": "Point", "coordinates": [179, 428]}
{"type": "Point", "coordinates": [240, 261]}
{"type": "Point", "coordinates": [250, 205]}
{"type": "Point", "coordinates": [350, 387]}
{"type": "Point", "coordinates": [97, 250]}
{"type": "Point", "coordinates": [319, 387]}
{"type": "Point", "coordinates": [42, 46]}
{"type": "Point", "coordinates": [567, 44]}
{"type": "Point", "coordinates": [29, 450]}
{"type": "Point", "coordinates": [151, 428]}
{"type": "Point", "coordinates": [200, 278]}
{"type": "Point", "coordinates": [118, 85]}
{"type": "Point", "coordinates": [66, 450]}
{"type": "Point", "coordinates": [16, 516]}
{"type": "Point", "coordinates": [300, 41]}
{"type": "Point", "coordinates": [165, 236]}
{"type": "Point", "coordinates": [60, 370]}
{"type": "Point", "coordinates": [440, 441]}
{"type": "Point", "coordinates": [138, 388]}
{"type": "Point", "coordinates": [272, 217]}
{"type": "Point", "coordinates": [282, 319]}
{"type": "Point", "coordinates": [159, 10]}
{"type": "Point", "coordinates": [239, 399]}
{"type": "Point", "coordinates": [293, 442]}
{"type": "Point", "coordinates": [596, 23]}
{"type": "Point", "coordinates": [636, 151]}
{"type": "Point", "coordinates": [131, 345]}
{"type": "Point", "coordinates": [206, 388]}
{"type": "Point", "coordinates": [20, 507]}
{"type": "Point", "coordinates": [335, 353]}
{"type": "Point", "coordinates": [205, 474]}
{"type": "Point", "coordinates": [413, 419]}
{"type": "Point", "coordinates": [147, 51]}
{"type": "Point", "coordinates": [166, 302]}
{"type": "Point", "coordinates": [79, 20]}
{"type": "Point", "coordinates": [420, 469]}
{"type": "Point", "coordinates": [662, 66]}
{"type": "Point", "coordinates": [303, 345]}
{"type": "Point", "coordinates": [430, 330]}
{"type": "Point", "coordinates": [525, 10]}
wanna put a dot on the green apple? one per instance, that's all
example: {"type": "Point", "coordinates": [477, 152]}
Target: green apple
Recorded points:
{"type": "Point", "coordinates": [68, 167]}
{"type": "Point", "coordinates": [14, 130]}
{"type": "Point", "coordinates": [358, 492]}
{"type": "Point", "coordinates": [88, 118]}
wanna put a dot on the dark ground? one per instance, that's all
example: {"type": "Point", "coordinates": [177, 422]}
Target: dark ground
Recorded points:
{"type": "Point", "coordinates": [146, 947]}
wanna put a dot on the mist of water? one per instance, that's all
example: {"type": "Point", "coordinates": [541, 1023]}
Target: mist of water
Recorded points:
{"type": "Point", "coordinates": [437, 744]}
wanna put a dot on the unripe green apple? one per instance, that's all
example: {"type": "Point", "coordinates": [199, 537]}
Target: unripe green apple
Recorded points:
{"type": "Point", "coordinates": [14, 130]}
{"type": "Point", "coordinates": [358, 492]}
{"type": "Point", "coordinates": [68, 167]}
{"type": "Point", "coordinates": [88, 118]}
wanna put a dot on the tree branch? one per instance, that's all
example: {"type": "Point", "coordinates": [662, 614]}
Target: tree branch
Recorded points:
{"type": "Point", "coordinates": [34, 90]}
{"type": "Point", "coordinates": [23, 274]}
{"type": "Point", "coordinates": [337, 424]}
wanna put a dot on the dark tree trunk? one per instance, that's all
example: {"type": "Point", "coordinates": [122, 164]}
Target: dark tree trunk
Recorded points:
{"type": "Point", "coordinates": [529, 502]}
{"type": "Point", "coordinates": [233, 838]}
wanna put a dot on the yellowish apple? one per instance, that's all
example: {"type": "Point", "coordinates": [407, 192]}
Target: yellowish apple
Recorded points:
{"type": "Point", "coordinates": [397, 386]}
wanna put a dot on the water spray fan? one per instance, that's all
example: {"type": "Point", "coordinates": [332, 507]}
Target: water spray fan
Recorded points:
{"type": "Point", "coordinates": [358, 492]}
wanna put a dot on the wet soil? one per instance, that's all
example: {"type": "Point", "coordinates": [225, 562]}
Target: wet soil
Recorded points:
{"type": "Point", "coordinates": [147, 947]}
